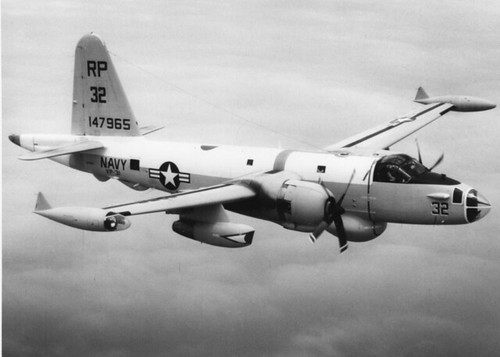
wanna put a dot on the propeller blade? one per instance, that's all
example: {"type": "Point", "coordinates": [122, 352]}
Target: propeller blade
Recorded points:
{"type": "Point", "coordinates": [441, 158]}
{"type": "Point", "coordinates": [314, 236]}
{"type": "Point", "coordinates": [418, 150]}
{"type": "Point", "coordinates": [341, 234]}
{"type": "Point", "coordinates": [339, 203]}
{"type": "Point", "coordinates": [343, 245]}
{"type": "Point", "coordinates": [333, 214]}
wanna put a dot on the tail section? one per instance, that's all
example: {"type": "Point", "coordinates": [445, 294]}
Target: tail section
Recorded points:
{"type": "Point", "coordinates": [100, 106]}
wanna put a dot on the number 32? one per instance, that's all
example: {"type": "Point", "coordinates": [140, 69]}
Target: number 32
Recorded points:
{"type": "Point", "coordinates": [440, 208]}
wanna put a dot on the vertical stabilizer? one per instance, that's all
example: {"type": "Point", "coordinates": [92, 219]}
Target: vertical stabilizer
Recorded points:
{"type": "Point", "coordinates": [100, 106]}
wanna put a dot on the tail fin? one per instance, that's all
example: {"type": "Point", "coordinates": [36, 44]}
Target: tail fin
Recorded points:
{"type": "Point", "coordinates": [100, 106]}
{"type": "Point", "coordinates": [421, 94]}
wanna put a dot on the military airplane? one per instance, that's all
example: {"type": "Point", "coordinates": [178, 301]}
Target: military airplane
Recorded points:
{"type": "Point", "coordinates": [351, 189]}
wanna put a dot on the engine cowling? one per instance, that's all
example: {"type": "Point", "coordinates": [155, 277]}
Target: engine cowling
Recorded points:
{"type": "Point", "coordinates": [359, 229]}
{"type": "Point", "coordinates": [87, 218]}
{"type": "Point", "coordinates": [221, 234]}
{"type": "Point", "coordinates": [293, 203]}
{"type": "Point", "coordinates": [302, 205]}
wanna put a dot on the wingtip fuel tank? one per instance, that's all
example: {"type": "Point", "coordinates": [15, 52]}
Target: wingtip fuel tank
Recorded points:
{"type": "Point", "coordinates": [460, 103]}
{"type": "Point", "coordinates": [86, 218]}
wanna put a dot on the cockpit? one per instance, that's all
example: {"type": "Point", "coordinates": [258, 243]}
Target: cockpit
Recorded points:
{"type": "Point", "coordinates": [398, 168]}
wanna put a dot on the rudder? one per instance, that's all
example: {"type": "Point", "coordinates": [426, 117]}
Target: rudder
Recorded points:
{"type": "Point", "coordinates": [100, 106]}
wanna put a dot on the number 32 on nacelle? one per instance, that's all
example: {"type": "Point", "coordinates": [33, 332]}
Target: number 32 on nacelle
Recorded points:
{"type": "Point", "coordinates": [351, 189]}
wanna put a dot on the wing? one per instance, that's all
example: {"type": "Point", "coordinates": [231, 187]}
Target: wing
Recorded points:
{"type": "Point", "coordinates": [383, 136]}
{"type": "Point", "coordinates": [386, 135]}
{"type": "Point", "coordinates": [178, 202]}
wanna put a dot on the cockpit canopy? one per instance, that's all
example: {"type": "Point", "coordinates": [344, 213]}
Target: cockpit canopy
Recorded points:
{"type": "Point", "coordinates": [398, 168]}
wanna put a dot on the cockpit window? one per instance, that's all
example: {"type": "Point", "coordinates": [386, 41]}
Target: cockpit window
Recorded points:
{"type": "Point", "coordinates": [398, 168]}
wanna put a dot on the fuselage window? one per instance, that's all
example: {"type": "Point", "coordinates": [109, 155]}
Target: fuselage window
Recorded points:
{"type": "Point", "coordinates": [457, 196]}
{"type": "Point", "coordinates": [398, 168]}
{"type": "Point", "coordinates": [134, 165]}
{"type": "Point", "coordinates": [321, 169]}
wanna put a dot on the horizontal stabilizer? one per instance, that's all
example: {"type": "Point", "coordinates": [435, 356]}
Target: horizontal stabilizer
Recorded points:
{"type": "Point", "coordinates": [145, 130]}
{"type": "Point", "coordinates": [62, 150]}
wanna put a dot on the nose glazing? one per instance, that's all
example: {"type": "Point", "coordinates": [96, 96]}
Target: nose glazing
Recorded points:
{"type": "Point", "coordinates": [477, 206]}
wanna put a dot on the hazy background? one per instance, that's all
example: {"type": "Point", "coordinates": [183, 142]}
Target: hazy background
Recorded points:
{"type": "Point", "coordinates": [317, 71]}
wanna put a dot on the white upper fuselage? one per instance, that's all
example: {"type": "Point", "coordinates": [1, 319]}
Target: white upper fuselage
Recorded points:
{"type": "Point", "coordinates": [204, 165]}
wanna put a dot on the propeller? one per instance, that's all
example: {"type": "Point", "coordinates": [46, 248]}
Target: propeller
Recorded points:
{"type": "Point", "coordinates": [419, 153]}
{"type": "Point", "coordinates": [439, 160]}
{"type": "Point", "coordinates": [333, 214]}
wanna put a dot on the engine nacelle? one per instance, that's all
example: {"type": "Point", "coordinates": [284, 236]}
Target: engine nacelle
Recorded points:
{"type": "Point", "coordinates": [221, 234]}
{"type": "Point", "coordinates": [291, 202]}
{"type": "Point", "coordinates": [302, 205]}
{"type": "Point", "coordinates": [359, 229]}
{"type": "Point", "coordinates": [90, 219]}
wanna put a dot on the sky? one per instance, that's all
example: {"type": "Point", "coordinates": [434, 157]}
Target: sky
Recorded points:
{"type": "Point", "coordinates": [285, 74]}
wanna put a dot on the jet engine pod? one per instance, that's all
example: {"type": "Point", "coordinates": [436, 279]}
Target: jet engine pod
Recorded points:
{"type": "Point", "coordinates": [90, 219]}
{"type": "Point", "coordinates": [221, 234]}
{"type": "Point", "coordinates": [359, 229]}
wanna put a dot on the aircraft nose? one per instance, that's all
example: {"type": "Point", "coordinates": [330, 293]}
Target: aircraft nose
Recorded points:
{"type": "Point", "coordinates": [15, 139]}
{"type": "Point", "coordinates": [477, 206]}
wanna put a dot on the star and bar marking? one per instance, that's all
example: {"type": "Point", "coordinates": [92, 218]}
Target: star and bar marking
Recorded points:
{"type": "Point", "coordinates": [169, 175]}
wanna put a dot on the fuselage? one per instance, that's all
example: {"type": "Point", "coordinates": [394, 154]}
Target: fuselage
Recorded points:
{"type": "Point", "coordinates": [378, 192]}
